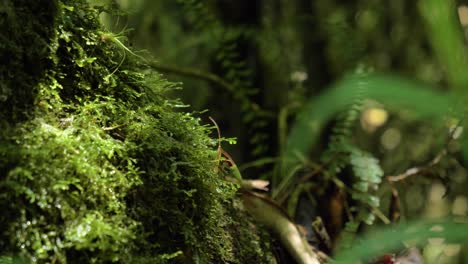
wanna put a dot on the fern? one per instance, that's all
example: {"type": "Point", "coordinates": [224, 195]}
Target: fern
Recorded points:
{"type": "Point", "coordinates": [367, 177]}
{"type": "Point", "coordinates": [342, 152]}
{"type": "Point", "coordinates": [366, 171]}
{"type": "Point", "coordinates": [391, 90]}
{"type": "Point", "coordinates": [340, 143]}
{"type": "Point", "coordinates": [199, 14]}
{"type": "Point", "coordinates": [234, 68]}
{"type": "Point", "coordinates": [238, 74]}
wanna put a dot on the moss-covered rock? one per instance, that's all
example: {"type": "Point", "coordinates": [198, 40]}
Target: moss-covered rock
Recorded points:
{"type": "Point", "coordinates": [97, 165]}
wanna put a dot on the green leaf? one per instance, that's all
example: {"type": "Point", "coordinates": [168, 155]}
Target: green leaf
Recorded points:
{"type": "Point", "coordinates": [389, 239]}
{"type": "Point", "coordinates": [447, 40]}
{"type": "Point", "coordinates": [391, 90]}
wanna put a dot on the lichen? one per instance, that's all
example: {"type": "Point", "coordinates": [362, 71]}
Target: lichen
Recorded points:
{"type": "Point", "coordinates": [97, 164]}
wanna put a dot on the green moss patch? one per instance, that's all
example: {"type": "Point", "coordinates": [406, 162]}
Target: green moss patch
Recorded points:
{"type": "Point", "coordinates": [97, 165]}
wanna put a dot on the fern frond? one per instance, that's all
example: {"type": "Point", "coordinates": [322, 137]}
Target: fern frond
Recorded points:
{"type": "Point", "coordinates": [235, 69]}
{"type": "Point", "coordinates": [388, 89]}
{"type": "Point", "coordinates": [340, 146]}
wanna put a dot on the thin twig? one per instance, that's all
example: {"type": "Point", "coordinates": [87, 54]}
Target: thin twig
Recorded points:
{"type": "Point", "coordinates": [114, 127]}
{"type": "Point", "coordinates": [418, 170]}
{"type": "Point", "coordinates": [207, 76]}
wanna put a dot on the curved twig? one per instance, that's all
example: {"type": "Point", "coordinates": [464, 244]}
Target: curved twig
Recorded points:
{"type": "Point", "coordinates": [207, 76]}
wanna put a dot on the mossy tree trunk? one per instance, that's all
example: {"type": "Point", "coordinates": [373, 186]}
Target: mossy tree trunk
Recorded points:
{"type": "Point", "coordinates": [96, 163]}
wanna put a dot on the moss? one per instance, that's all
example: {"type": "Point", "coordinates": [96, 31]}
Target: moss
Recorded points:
{"type": "Point", "coordinates": [23, 49]}
{"type": "Point", "coordinates": [97, 165]}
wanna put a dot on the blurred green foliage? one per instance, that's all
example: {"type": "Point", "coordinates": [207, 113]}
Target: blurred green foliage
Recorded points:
{"type": "Point", "coordinates": [391, 239]}
{"type": "Point", "coordinates": [302, 58]}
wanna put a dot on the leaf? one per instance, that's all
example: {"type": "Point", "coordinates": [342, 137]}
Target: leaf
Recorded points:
{"type": "Point", "coordinates": [392, 90]}
{"type": "Point", "coordinates": [389, 239]}
{"type": "Point", "coordinates": [447, 40]}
